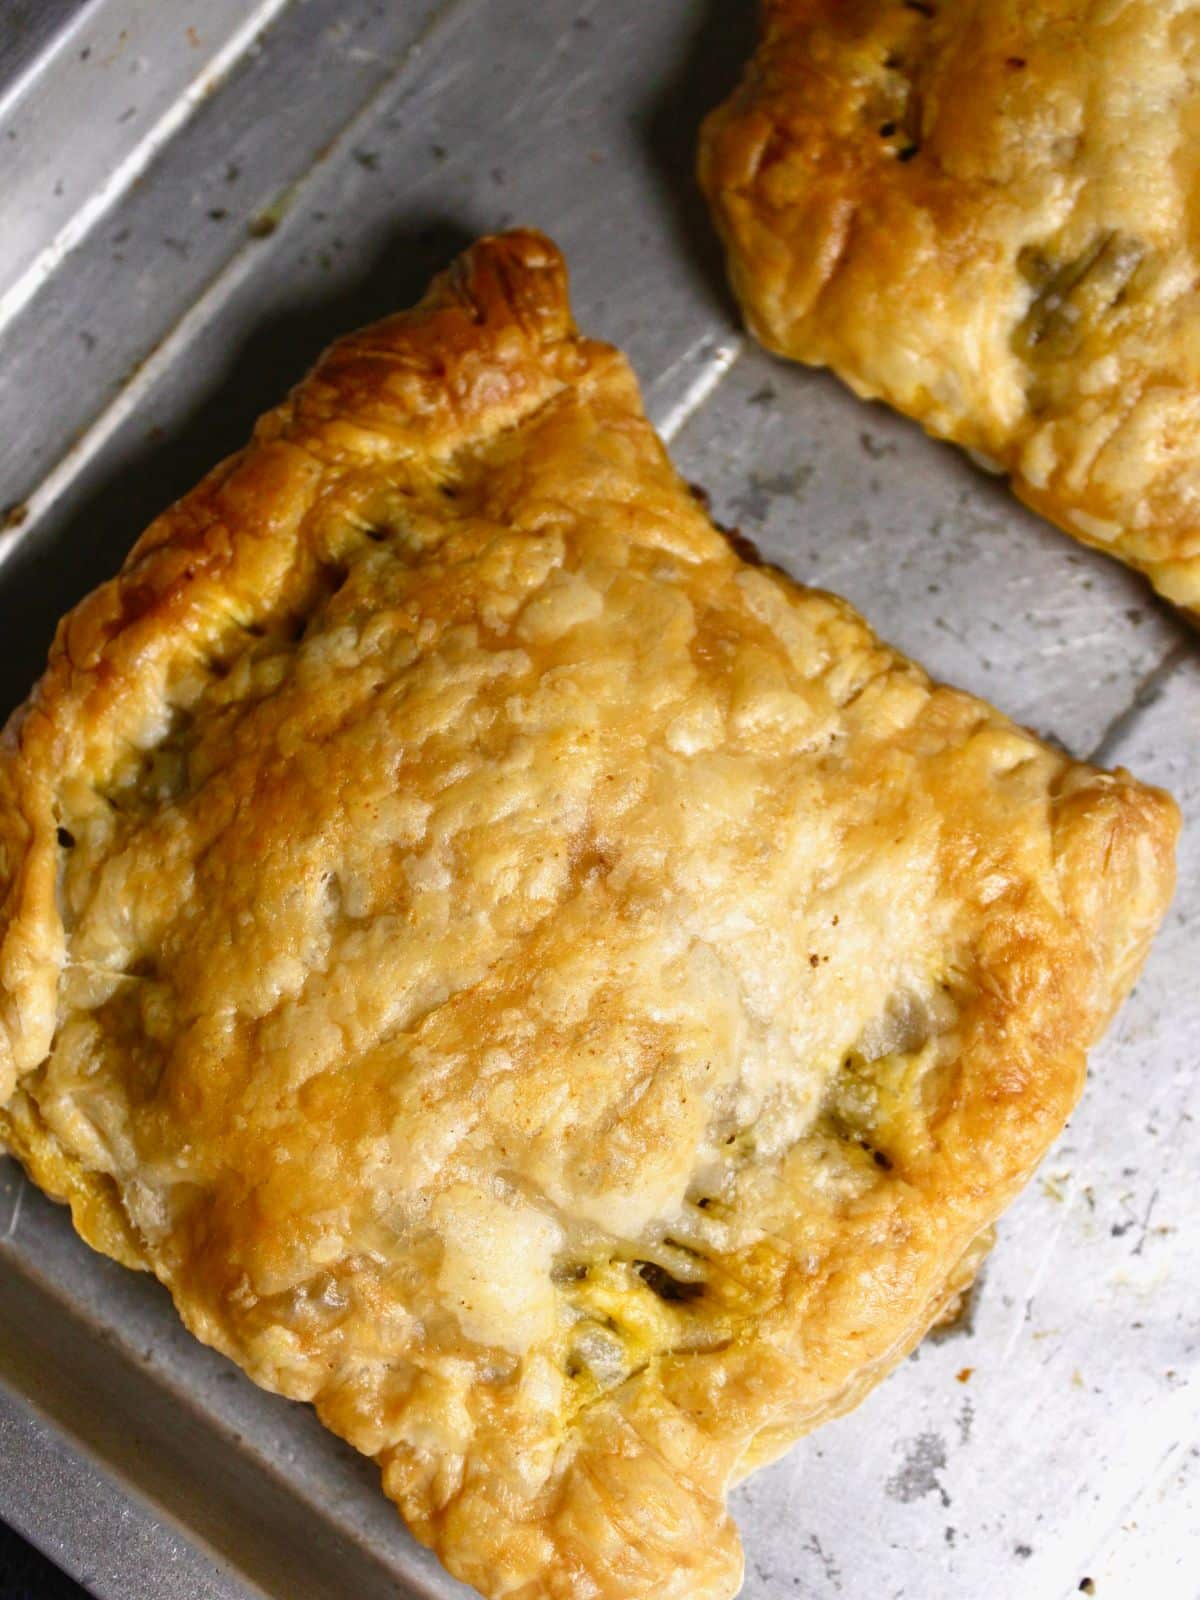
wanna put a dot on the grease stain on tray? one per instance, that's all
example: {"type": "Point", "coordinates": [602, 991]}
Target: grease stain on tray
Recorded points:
{"type": "Point", "coordinates": [917, 1475]}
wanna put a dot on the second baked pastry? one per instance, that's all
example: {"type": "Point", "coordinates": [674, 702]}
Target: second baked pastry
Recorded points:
{"type": "Point", "coordinates": [985, 213]}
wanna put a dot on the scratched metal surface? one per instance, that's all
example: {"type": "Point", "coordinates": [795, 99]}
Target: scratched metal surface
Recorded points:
{"type": "Point", "coordinates": [290, 170]}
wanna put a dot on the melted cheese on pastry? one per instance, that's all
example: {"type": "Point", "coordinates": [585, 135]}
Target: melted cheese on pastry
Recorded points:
{"type": "Point", "coordinates": [563, 1000]}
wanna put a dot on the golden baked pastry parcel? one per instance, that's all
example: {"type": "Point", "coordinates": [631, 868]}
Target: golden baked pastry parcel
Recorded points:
{"type": "Point", "coordinates": [565, 1001]}
{"type": "Point", "coordinates": [985, 213]}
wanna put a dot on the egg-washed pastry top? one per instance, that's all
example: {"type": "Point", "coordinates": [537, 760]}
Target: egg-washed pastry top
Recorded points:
{"type": "Point", "coordinates": [560, 998]}
{"type": "Point", "coordinates": [987, 212]}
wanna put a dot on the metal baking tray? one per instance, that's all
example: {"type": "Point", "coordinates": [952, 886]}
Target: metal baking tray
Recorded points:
{"type": "Point", "coordinates": [198, 197]}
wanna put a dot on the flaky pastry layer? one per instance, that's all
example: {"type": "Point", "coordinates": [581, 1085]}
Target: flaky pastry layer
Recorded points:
{"type": "Point", "coordinates": [565, 1001]}
{"type": "Point", "coordinates": [984, 212]}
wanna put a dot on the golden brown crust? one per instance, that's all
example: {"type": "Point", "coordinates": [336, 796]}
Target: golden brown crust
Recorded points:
{"type": "Point", "coordinates": [983, 213]}
{"type": "Point", "coordinates": [564, 1001]}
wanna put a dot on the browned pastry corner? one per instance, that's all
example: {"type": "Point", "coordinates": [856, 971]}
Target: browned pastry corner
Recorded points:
{"type": "Point", "coordinates": [985, 213]}
{"type": "Point", "coordinates": [564, 1001]}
